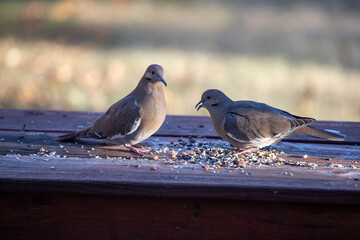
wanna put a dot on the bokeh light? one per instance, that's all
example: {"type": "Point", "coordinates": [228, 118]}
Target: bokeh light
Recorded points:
{"type": "Point", "coordinates": [300, 56]}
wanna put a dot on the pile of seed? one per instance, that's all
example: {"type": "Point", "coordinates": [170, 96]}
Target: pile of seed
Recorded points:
{"type": "Point", "coordinates": [216, 154]}
{"type": "Point", "coordinates": [206, 153]}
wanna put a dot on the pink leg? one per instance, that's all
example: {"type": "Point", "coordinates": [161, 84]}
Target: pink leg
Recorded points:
{"type": "Point", "coordinates": [140, 145]}
{"type": "Point", "coordinates": [136, 150]}
{"type": "Point", "coordinates": [247, 150]}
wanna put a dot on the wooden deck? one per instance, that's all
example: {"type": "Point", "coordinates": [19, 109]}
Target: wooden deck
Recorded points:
{"type": "Point", "coordinates": [86, 190]}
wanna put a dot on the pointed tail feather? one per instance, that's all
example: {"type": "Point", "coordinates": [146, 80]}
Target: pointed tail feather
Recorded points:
{"type": "Point", "coordinates": [85, 133]}
{"type": "Point", "coordinates": [317, 133]}
{"type": "Point", "coordinates": [67, 137]}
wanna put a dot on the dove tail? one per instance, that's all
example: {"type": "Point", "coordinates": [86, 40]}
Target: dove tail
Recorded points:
{"type": "Point", "coordinates": [85, 133]}
{"type": "Point", "coordinates": [67, 137]}
{"type": "Point", "coordinates": [71, 136]}
{"type": "Point", "coordinates": [317, 133]}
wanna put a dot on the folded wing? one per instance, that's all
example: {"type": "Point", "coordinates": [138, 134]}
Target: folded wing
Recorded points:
{"type": "Point", "coordinates": [257, 122]}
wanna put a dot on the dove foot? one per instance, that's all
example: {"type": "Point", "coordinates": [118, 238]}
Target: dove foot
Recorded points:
{"type": "Point", "coordinates": [247, 150]}
{"type": "Point", "coordinates": [139, 151]}
{"type": "Point", "coordinates": [141, 145]}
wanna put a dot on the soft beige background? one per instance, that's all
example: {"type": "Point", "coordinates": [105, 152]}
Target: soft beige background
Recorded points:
{"type": "Point", "coordinates": [300, 56]}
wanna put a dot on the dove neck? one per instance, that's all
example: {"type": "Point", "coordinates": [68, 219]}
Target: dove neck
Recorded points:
{"type": "Point", "coordinates": [218, 112]}
{"type": "Point", "coordinates": [145, 88]}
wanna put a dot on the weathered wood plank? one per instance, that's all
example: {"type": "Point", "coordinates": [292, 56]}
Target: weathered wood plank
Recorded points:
{"type": "Point", "coordinates": [99, 217]}
{"type": "Point", "coordinates": [65, 121]}
{"type": "Point", "coordinates": [89, 175]}
{"type": "Point", "coordinates": [116, 176]}
{"type": "Point", "coordinates": [44, 216]}
{"type": "Point", "coordinates": [92, 168]}
{"type": "Point", "coordinates": [31, 142]}
{"type": "Point", "coordinates": [89, 190]}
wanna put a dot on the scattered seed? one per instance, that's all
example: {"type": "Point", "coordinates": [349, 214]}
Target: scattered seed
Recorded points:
{"type": "Point", "coordinates": [153, 168]}
{"type": "Point", "coordinates": [173, 153]}
{"type": "Point", "coordinates": [191, 153]}
{"type": "Point", "coordinates": [242, 163]}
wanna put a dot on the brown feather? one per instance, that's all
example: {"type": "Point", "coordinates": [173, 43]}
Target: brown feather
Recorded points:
{"type": "Point", "coordinates": [66, 137]}
{"type": "Point", "coordinates": [247, 124]}
{"type": "Point", "coordinates": [133, 118]}
{"type": "Point", "coordinates": [318, 133]}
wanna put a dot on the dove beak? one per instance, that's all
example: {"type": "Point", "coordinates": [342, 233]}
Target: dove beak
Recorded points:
{"type": "Point", "coordinates": [161, 79]}
{"type": "Point", "coordinates": [199, 105]}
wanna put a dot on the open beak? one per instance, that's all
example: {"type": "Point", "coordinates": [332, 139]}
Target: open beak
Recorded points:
{"type": "Point", "coordinates": [161, 79]}
{"type": "Point", "coordinates": [199, 105]}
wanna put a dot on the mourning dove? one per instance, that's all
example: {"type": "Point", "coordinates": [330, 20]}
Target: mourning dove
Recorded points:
{"type": "Point", "coordinates": [248, 125]}
{"type": "Point", "coordinates": [133, 118]}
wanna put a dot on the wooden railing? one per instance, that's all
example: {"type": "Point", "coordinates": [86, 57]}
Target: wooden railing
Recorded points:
{"type": "Point", "coordinates": [84, 189]}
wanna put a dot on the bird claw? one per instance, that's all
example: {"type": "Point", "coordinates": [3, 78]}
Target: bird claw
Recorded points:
{"type": "Point", "coordinates": [139, 151]}
{"type": "Point", "coordinates": [141, 145]}
{"type": "Point", "coordinates": [247, 150]}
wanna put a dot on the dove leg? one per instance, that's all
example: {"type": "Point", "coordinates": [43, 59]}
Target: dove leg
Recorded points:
{"type": "Point", "coordinates": [112, 142]}
{"type": "Point", "coordinates": [247, 150]}
{"type": "Point", "coordinates": [139, 151]}
{"type": "Point", "coordinates": [141, 145]}
{"type": "Point", "coordinates": [134, 148]}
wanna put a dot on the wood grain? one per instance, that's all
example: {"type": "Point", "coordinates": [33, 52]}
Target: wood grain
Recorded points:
{"type": "Point", "coordinates": [83, 174]}
{"type": "Point", "coordinates": [175, 126]}
{"type": "Point", "coordinates": [86, 190]}
{"type": "Point", "coordinates": [40, 216]}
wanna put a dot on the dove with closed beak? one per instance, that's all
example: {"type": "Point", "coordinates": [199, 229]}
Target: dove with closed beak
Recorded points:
{"type": "Point", "coordinates": [133, 118]}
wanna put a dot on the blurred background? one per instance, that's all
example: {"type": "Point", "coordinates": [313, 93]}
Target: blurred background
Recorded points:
{"type": "Point", "coordinates": [300, 56]}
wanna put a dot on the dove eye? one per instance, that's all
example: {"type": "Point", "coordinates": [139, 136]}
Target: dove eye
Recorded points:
{"type": "Point", "coordinates": [208, 97]}
{"type": "Point", "coordinates": [152, 72]}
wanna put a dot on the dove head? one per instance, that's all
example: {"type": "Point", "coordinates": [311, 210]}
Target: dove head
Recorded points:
{"type": "Point", "coordinates": [213, 100]}
{"type": "Point", "coordinates": [153, 74]}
